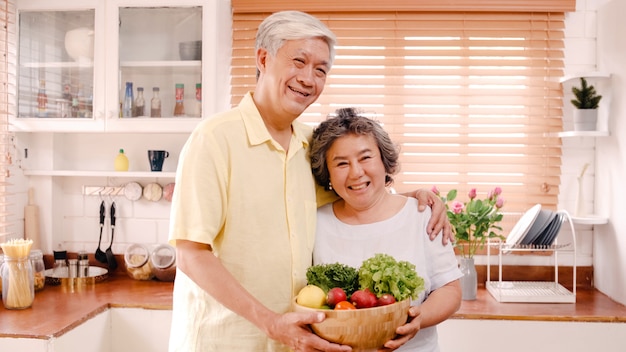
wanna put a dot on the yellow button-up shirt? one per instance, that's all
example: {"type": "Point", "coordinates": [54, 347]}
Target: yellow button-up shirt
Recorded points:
{"type": "Point", "coordinates": [239, 191]}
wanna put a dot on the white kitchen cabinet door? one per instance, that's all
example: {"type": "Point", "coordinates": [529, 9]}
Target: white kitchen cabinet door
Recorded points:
{"type": "Point", "coordinates": [93, 335]}
{"type": "Point", "coordinates": [60, 82]}
{"type": "Point", "coordinates": [75, 57]}
{"type": "Point", "coordinates": [137, 329]}
{"type": "Point", "coordinates": [471, 335]}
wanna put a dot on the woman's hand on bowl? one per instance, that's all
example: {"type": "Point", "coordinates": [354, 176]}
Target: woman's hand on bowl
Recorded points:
{"type": "Point", "coordinates": [406, 331]}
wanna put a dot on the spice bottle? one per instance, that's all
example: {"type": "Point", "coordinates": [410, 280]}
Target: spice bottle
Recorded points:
{"type": "Point", "coordinates": [198, 106]}
{"type": "Point", "coordinates": [127, 106]}
{"type": "Point", "coordinates": [140, 103]}
{"type": "Point", "coordinates": [137, 259]}
{"type": "Point", "coordinates": [121, 161]}
{"type": "Point", "coordinates": [42, 100]}
{"type": "Point", "coordinates": [155, 103]}
{"type": "Point", "coordinates": [36, 261]}
{"type": "Point", "coordinates": [60, 264]}
{"type": "Point", "coordinates": [179, 107]}
{"type": "Point", "coordinates": [163, 258]}
{"type": "Point", "coordinates": [65, 104]}
{"type": "Point", "coordinates": [83, 264]}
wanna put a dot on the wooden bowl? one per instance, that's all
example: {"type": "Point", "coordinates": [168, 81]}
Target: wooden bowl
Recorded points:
{"type": "Point", "coordinates": [363, 329]}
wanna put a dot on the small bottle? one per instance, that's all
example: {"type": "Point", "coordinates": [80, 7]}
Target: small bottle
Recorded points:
{"type": "Point", "coordinates": [60, 264]}
{"type": "Point", "coordinates": [121, 161]}
{"type": "Point", "coordinates": [83, 264]}
{"type": "Point", "coordinates": [72, 265]}
{"type": "Point", "coordinates": [198, 107]}
{"type": "Point", "coordinates": [65, 105]}
{"type": "Point", "coordinates": [82, 104]}
{"type": "Point", "coordinates": [74, 108]}
{"type": "Point", "coordinates": [179, 108]}
{"type": "Point", "coordinates": [39, 268]}
{"type": "Point", "coordinates": [155, 103]}
{"type": "Point", "coordinates": [129, 101]}
{"type": "Point", "coordinates": [139, 103]}
{"type": "Point", "coordinates": [42, 100]}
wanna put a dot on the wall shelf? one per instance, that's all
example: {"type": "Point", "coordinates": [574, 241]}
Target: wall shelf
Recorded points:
{"type": "Point", "coordinates": [590, 220]}
{"type": "Point", "coordinates": [96, 173]}
{"type": "Point", "coordinates": [565, 134]}
{"type": "Point", "coordinates": [594, 74]}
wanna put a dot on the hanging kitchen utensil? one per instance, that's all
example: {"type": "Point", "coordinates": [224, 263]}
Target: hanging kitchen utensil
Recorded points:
{"type": "Point", "coordinates": [109, 252]}
{"type": "Point", "coordinates": [100, 255]}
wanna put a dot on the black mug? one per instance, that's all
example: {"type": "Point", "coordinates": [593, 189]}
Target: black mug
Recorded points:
{"type": "Point", "coordinates": [156, 158]}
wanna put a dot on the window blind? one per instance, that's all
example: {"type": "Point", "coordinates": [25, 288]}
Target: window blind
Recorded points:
{"type": "Point", "coordinates": [473, 99]}
{"type": "Point", "coordinates": [7, 106]}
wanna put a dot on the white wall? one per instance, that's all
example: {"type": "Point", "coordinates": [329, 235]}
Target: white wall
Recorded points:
{"type": "Point", "coordinates": [610, 241]}
{"type": "Point", "coordinates": [594, 42]}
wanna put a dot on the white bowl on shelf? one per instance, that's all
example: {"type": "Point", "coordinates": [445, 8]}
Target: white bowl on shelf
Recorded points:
{"type": "Point", "coordinates": [79, 44]}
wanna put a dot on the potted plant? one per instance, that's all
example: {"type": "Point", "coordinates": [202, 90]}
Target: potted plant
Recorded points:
{"type": "Point", "coordinates": [472, 222]}
{"type": "Point", "coordinates": [586, 103]}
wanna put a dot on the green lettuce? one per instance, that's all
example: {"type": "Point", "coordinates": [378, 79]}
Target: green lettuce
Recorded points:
{"type": "Point", "coordinates": [327, 276]}
{"type": "Point", "coordinates": [383, 274]}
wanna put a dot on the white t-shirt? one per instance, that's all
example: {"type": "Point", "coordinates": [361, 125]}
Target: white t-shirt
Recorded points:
{"type": "Point", "coordinates": [402, 236]}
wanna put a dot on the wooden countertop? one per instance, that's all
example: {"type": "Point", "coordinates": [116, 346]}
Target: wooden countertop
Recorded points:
{"type": "Point", "coordinates": [56, 310]}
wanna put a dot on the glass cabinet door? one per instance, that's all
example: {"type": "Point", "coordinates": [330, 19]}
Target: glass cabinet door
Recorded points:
{"type": "Point", "coordinates": [160, 65]}
{"type": "Point", "coordinates": [55, 64]}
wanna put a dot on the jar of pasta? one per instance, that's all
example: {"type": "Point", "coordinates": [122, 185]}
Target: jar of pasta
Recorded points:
{"type": "Point", "coordinates": [36, 261]}
{"type": "Point", "coordinates": [163, 260]}
{"type": "Point", "coordinates": [138, 265]}
{"type": "Point", "coordinates": [17, 282]}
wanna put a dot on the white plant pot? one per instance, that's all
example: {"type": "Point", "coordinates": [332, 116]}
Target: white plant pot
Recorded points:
{"type": "Point", "coordinates": [585, 119]}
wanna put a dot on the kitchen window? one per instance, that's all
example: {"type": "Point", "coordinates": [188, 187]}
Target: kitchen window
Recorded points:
{"type": "Point", "coordinates": [473, 98]}
{"type": "Point", "coordinates": [7, 106]}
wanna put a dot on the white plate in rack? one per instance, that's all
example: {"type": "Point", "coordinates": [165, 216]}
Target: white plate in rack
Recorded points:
{"type": "Point", "coordinates": [523, 225]}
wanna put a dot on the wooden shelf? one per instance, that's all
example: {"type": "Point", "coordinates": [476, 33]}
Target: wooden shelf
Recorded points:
{"type": "Point", "coordinates": [95, 173]}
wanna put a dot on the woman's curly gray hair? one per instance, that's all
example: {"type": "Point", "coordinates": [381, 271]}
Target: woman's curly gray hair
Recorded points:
{"type": "Point", "coordinates": [350, 121]}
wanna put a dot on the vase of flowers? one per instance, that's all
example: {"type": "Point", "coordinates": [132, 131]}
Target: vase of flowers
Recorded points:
{"type": "Point", "coordinates": [473, 222]}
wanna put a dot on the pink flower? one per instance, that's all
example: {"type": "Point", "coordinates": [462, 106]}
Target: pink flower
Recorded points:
{"type": "Point", "coordinates": [472, 193]}
{"type": "Point", "coordinates": [497, 191]}
{"type": "Point", "coordinates": [435, 190]}
{"type": "Point", "coordinates": [457, 207]}
{"type": "Point", "coordinates": [499, 202]}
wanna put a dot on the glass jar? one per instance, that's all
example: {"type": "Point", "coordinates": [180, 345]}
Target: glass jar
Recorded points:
{"type": "Point", "coordinates": [39, 268]}
{"type": "Point", "coordinates": [163, 260]}
{"type": "Point", "coordinates": [138, 109]}
{"type": "Point", "coordinates": [18, 289]}
{"type": "Point", "coordinates": [138, 265]}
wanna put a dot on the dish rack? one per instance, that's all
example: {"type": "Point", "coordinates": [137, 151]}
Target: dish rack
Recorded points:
{"type": "Point", "coordinates": [533, 291]}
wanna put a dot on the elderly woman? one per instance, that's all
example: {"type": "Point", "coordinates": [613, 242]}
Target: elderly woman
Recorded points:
{"type": "Point", "coordinates": [354, 156]}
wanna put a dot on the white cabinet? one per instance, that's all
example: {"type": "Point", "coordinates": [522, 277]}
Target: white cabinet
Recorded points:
{"type": "Point", "coordinates": [473, 335]}
{"type": "Point", "coordinates": [75, 57]}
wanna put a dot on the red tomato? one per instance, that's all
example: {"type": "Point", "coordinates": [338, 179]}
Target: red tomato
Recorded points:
{"type": "Point", "coordinates": [385, 299]}
{"type": "Point", "coordinates": [344, 305]}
